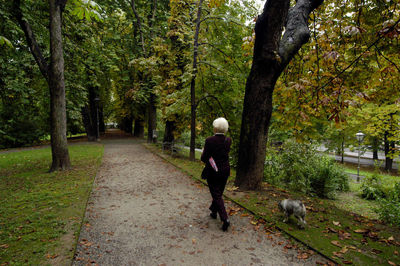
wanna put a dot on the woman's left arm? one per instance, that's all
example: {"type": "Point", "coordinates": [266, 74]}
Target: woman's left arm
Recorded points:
{"type": "Point", "coordinates": [205, 155]}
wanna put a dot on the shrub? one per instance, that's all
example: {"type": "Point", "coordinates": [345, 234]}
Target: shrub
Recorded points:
{"type": "Point", "coordinates": [389, 208]}
{"type": "Point", "coordinates": [300, 167]}
{"type": "Point", "coordinates": [371, 187]}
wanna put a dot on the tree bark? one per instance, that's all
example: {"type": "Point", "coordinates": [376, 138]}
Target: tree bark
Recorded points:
{"type": "Point", "coordinates": [375, 148]}
{"type": "Point", "coordinates": [152, 118]}
{"type": "Point", "coordinates": [169, 136]}
{"type": "Point", "coordinates": [389, 146]}
{"type": "Point", "coordinates": [59, 145]}
{"type": "Point", "coordinates": [271, 55]}
{"type": "Point", "coordinates": [139, 128]}
{"type": "Point", "coordinates": [193, 84]}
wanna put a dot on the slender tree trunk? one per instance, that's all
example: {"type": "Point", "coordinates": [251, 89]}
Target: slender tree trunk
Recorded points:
{"type": "Point", "coordinates": [375, 148]}
{"type": "Point", "coordinates": [388, 153]}
{"type": "Point", "coordinates": [88, 123]}
{"type": "Point", "coordinates": [193, 84]}
{"type": "Point", "coordinates": [152, 118]}
{"type": "Point", "coordinates": [59, 145]}
{"type": "Point", "coordinates": [272, 52]}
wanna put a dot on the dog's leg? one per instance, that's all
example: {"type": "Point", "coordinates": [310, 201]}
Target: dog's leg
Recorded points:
{"type": "Point", "coordinates": [286, 217]}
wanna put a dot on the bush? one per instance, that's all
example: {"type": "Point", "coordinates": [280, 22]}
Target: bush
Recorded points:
{"type": "Point", "coordinates": [389, 208]}
{"type": "Point", "coordinates": [371, 187]}
{"type": "Point", "coordinates": [301, 168]}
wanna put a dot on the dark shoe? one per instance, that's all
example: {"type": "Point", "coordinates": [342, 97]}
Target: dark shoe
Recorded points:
{"type": "Point", "coordinates": [225, 225]}
{"type": "Point", "coordinates": [213, 215]}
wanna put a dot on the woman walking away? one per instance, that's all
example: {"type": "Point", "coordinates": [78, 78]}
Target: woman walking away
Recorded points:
{"type": "Point", "coordinates": [217, 170]}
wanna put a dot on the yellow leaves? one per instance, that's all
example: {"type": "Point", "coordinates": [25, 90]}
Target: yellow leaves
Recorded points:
{"type": "Point", "coordinates": [215, 3]}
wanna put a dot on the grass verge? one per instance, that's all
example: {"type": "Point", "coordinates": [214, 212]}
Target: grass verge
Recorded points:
{"type": "Point", "coordinates": [41, 212]}
{"type": "Point", "coordinates": [343, 236]}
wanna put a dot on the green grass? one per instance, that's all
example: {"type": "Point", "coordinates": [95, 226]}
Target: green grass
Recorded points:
{"type": "Point", "coordinates": [328, 221]}
{"type": "Point", "coordinates": [41, 212]}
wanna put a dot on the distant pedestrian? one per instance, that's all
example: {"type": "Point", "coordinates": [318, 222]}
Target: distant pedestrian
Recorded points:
{"type": "Point", "coordinates": [216, 149]}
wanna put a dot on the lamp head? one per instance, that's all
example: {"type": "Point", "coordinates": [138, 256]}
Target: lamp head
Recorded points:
{"type": "Point", "coordinates": [360, 136]}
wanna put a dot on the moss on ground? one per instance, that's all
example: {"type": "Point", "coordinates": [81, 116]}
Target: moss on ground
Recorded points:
{"type": "Point", "coordinates": [343, 236]}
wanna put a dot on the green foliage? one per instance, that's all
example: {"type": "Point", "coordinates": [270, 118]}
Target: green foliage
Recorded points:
{"type": "Point", "coordinates": [299, 167]}
{"type": "Point", "coordinates": [372, 188]}
{"type": "Point", "coordinates": [389, 208]}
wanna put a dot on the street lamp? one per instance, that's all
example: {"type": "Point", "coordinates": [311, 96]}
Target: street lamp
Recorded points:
{"type": "Point", "coordinates": [96, 100]}
{"type": "Point", "coordinates": [360, 137]}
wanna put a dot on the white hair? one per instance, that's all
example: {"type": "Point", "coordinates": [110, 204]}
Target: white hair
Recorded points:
{"type": "Point", "coordinates": [220, 125]}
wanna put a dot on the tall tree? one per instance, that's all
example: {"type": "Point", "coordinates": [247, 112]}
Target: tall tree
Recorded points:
{"type": "Point", "coordinates": [272, 53]}
{"type": "Point", "coordinates": [54, 75]}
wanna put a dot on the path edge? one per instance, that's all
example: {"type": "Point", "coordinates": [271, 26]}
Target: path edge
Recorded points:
{"type": "Point", "coordinates": [242, 206]}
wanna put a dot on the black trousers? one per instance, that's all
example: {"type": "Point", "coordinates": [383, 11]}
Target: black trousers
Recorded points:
{"type": "Point", "coordinates": [217, 186]}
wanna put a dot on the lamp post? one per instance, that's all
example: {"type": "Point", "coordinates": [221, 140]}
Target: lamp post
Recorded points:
{"type": "Point", "coordinates": [96, 100]}
{"type": "Point", "coordinates": [360, 137]}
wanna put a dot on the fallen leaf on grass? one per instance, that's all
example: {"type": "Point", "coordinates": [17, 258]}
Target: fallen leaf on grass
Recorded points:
{"type": "Point", "coordinates": [396, 252]}
{"type": "Point", "coordinates": [49, 256]}
{"type": "Point", "coordinates": [336, 223]}
{"type": "Point", "coordinates": [344, 250]}
{"type": "Point", "coordinates": [391, 263]}
{"type": "Point", "coordinates": [391, 238]}
{"type": "Point", "coordinates": [232, 188]}
{"type": "Point", "coordinates": [347, 262]}
{"type": "Point", "coordinates": [4, 246]}
{"type": "Point", "coordinates": [376, 251]}
{"type": "Point", "coordinates": [336, 243]}
{"type": "Point", "coordinates": [361, 231]}
{"type": "Point", "coordinates": [338, 254]}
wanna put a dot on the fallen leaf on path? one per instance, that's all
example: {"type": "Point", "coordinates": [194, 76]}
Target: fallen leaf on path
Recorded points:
{"type": "Point", "coordinates": [303, 256]}
{"type": "Point", "coordinates": [232, 188]}
{"type": "Point", "coordinates": [194, 241]}
{"type": "Point", "coordinates": [336, 243]}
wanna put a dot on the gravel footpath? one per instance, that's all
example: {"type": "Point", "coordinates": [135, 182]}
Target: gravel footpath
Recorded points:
{"type": "Point", "coordinates": [144, 211]}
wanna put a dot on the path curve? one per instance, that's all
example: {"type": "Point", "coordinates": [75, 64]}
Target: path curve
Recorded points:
{"type": "Point", "coordinates": [144, 211]}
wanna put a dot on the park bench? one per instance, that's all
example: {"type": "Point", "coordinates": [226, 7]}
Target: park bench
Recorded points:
{"type": "Point", "coordinates": [172, 147]}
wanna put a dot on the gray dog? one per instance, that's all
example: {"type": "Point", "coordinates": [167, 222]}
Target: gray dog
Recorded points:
{"type": "Point", "coordinates": [295, 207]}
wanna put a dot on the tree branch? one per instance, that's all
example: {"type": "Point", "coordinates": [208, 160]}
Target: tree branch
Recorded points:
{"type": "Point", "coordinates": [139, 25]}
{"type": "Point", "coordinates": [297, 32]}
{"type": "Point", "coordinates": [31, 40]}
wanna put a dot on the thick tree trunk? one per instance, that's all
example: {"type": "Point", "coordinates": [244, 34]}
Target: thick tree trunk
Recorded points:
{"type": "Point", "coordinates": [54, 75]}
{"type": "Point", "coordinates": [272, 52]}
{"type": "Point", "coordinates": [152, 118]}
{"type": "Point", "coordinates": [88, 123]}
{"type": "Point", "coordinates": [59, 147]}
{"type": "Point", "coordinates": [139, 128]}
{"type": "Point", "coordinates": [169, 131]}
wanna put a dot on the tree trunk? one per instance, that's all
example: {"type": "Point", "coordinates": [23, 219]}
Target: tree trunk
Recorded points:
{"type": "Point", "coordinates": [139, 128]}
{"type": "Point", "coordinates": [193, 84]}
{"type": "Point", "coordinates": [375, 148]}
{"type": "Point", "coordinates": [54, 75]}
{"type": "Point", "coordinates": [88, 123]}
{"type": "Point", "coordinates": [169, 136]}
{"type": "Point", "coordinates": [152, 118]}
{"type": "Point", "coordinates": [272, 53]}
{"type": "Point", "coordinates": [59, 145]}
{"type": "Point", "coordinates": [389, 145]}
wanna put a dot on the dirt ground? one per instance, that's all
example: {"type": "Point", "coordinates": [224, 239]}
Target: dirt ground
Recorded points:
{"type": "Point", "coordinates": [144, 211]}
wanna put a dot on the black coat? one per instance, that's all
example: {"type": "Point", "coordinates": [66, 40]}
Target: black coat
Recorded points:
{"type": "Point", "coordinates": [218, 147]}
